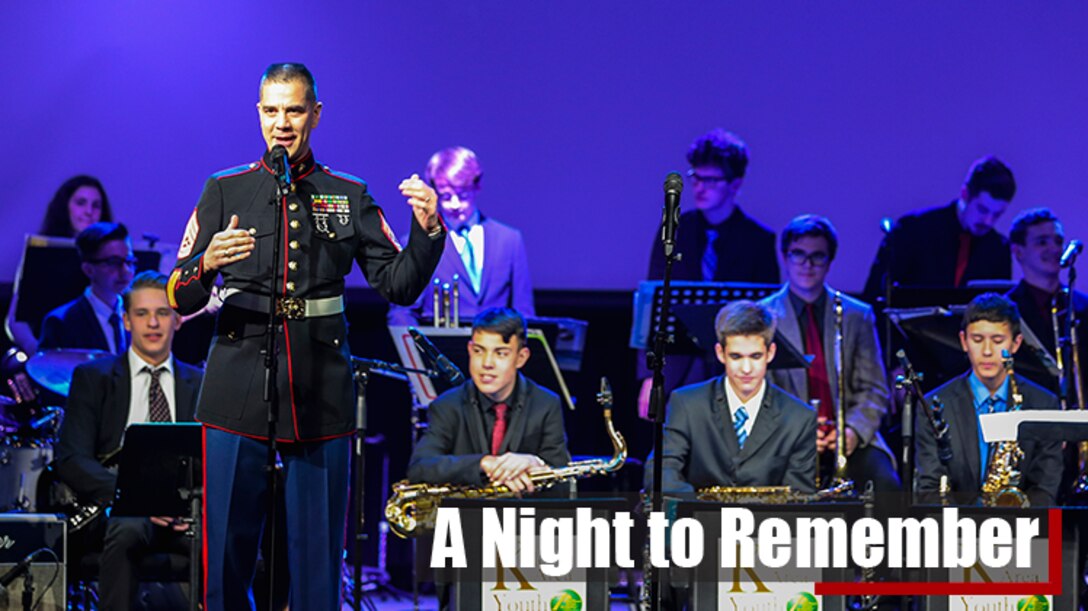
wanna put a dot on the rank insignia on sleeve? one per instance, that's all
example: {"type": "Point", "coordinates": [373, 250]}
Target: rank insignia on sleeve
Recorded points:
{"type": "Point", "coordinates": [192, 230]}
{"type": "Point", "coordinates": [325, 206]}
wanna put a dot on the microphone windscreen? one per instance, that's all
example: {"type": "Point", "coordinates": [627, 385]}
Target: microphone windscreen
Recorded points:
{"type": "Point", "coordinates": [674, 183]}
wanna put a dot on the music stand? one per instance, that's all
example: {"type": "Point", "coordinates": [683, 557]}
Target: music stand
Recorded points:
{"type": "Point", "coordinates": [932, 335]}
{"type": "Point", "coordinates": [647, 306]}
{"type": "Point", "coordinates": [58, 260]}
{"type": "Point", "coordinates": [698, 322]}
{"type": "Point", "coordinates": [542, 367]}
{"type": "Point", "coordinates": [161, 474]}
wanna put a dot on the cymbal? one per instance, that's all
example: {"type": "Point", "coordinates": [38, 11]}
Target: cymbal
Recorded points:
{"type": "Point", "coordinates": [53, 369]}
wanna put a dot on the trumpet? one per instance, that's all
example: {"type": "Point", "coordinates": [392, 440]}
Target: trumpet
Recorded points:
{"type": "Point", "coordinates": [412, 508]}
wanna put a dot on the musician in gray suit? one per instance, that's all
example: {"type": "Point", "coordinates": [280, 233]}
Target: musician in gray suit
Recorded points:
{"type": "Point", "coordinates": [991, 324]}
{"type": "Point", "coordinates": [738, 429]}
{"type": "Point", "coordinates": [805, 311]}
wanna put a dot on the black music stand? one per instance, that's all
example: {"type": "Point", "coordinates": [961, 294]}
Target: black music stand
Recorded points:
{"type": "Point", "coordinates": [698, 322]}
{"type": "Point", "coordinates": [683, 294]}
{"type": "Point", "coordinates": [58, 260]}
{"type": "Point", "coordinates": [933, 343]}
{"type": "Point", "coordinates": [161, 474]}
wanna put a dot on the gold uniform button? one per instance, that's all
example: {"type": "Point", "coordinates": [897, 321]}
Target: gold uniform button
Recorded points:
{"type": "Point", "coordinates": [292, 265]}
{"type": "Point", "coordinates": [293, 207]}
{"type": "Point", "coordinates": [295, 224]}
{"type": "Point", "coordinates": [293, 244]}
{"type": "Point", "coordinates": [336, 342]}
{"type": "Point", "coordinates": [232, 335]}
{"type": "Point", "coordinates": [252, 231]}
{"type": "Point", "coordinates": [332, 235]}
{"type": "Point", "coordinates": [291, 287]}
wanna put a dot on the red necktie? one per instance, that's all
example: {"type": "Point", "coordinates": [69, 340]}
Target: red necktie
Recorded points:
{"type": "Point", "coordinates": [962, 256]}
{"type": "Point", "coordinates": [819, 387]}
{"type": "Point", "coordinates": [499, 431]}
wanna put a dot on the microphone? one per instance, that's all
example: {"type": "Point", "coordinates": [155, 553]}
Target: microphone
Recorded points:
{"type": "Point", "coordinates": [17, 570]}
{"type": "Point", "coordinates": [886, 225]}
{"type": "Point", "coordinates": [1072, 249]}
{"type": "Point", "coordinates": [445, 367]}
{"type": "Point", "coordinates": [670, 215]}
{"type": "Point", "coordinates": [282, 166]}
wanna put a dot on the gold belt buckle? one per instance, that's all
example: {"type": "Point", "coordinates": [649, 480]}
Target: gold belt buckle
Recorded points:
{"type": "Point", "coordinates": [291, 308]}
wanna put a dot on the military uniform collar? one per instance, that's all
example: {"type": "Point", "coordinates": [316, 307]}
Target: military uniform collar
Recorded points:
{"type": "Point", "coordinates": [299, 168]}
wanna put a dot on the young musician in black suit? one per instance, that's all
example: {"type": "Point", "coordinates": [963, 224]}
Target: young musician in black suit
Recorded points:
{"type": "Point", "coordinates": [738, 429]}
{"type": "Point", "coordinates": [991, 325]}
{"type": "Point", "coordinates": [145, 384]}
{"type": "Point", "coordinates": [499, 424]}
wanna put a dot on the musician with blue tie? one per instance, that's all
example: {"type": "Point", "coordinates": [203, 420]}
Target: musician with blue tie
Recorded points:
{"type": "Point", "coordinates": [738, 429]}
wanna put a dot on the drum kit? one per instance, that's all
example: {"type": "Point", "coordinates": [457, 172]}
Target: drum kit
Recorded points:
{"type": "Point", "coordinates": [30, 419]}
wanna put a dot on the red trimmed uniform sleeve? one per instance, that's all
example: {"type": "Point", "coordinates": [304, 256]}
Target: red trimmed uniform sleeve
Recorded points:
{"type": "Point", "coordinates": [189, 288]}
{"type": "Point", "coordinates": [398, 275]}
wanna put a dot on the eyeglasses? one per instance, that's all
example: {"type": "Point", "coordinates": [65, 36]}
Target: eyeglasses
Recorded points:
{"type": "Point", "coordinates": [816, 259]}
{"type": "Point", "coordinates": [706, 180]}
{"type": "Point", "coordinates": [115, 262]}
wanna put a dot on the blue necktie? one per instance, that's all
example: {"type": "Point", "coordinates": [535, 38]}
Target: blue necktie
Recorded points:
{"type": "Point", "coordinates": [468, 256]}
{"type": "Point", "coordinates": [118, 334]}
{"type": "Point", "coordinates": [710, 256]}
{"type": "Point", "coordinates": [739, 419]}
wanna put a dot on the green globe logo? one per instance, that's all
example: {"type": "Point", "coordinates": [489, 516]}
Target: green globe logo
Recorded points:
{"type": "Point", "coordinates": [567, 600]}
{"type": "Point", "coordinates": [1033, 603]}
{"type": "Point", "coordinates": [803, 601]}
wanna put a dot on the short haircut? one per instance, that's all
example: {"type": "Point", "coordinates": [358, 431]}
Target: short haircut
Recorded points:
{"type": "Point", "coordinates": [994, 308]}
{"type": "Point", "coordinates": [147, 279]}
{"type": "Point", "coordinates": [507, 322]}
{"type": "Point", "coordinates": [57, 221]}
{"type": "Point", "coordinates": [1018, 233]}
{"type": "Point", "coordinates": [721, 149]}
{"type": "Point", "coordinates": [91, 239]}
{"type": "Point", "coordinates": [744, 317]}
{"type": "Point", "coordinates": [811, 226]}
{"type": "Point", "coordinates": [285, 73]}
{"type": "Point", "coordinates": [456, 164]}
{"type": "Point", "coordinates": [990, 175]}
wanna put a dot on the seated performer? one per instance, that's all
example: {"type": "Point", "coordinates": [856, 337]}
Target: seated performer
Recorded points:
{"type": "Point", "coordinates": [805, 311]}
{"type": "Point", "coordinates": [92, 321]}
{"type": "Point", "coordinates": [739, 429]}
{"type": "Point", "coordinates": [950, 245]}
{"type": "Point", "coordinates": [718, 241]}
{"type": "Point", "coordinates": [146, 384]}
{"type": "Point", "coordinates": [1037, 239]}
{"type": "Point", "coordinates": [498, 425]}
{"type": "Point", "coordinates": [990, 325]}
{"type": "Point", "coordinates": [488, 257]}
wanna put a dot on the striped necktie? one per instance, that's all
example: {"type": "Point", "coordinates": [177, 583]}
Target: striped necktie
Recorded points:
{"type": "Point", "coordinates": [739, 419]}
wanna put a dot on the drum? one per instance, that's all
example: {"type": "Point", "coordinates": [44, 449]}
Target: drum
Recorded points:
{"type": "Point", "coordinates": [20, 469]}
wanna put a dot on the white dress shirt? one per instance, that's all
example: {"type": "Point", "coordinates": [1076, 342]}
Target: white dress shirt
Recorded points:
{"type": "Point", "coordinates": [102, 312]}
{"type": "Point", "coordinates": [139, 404]}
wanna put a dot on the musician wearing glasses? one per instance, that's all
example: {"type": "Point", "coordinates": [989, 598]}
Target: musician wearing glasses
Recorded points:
{"type": "Point", "coordinates": [145, 384]}
{"type": "Point", "coordinates": [1037, 240]}
{"type": "Point", "coordinates": [738, 429]}
{"type": "Point", "coordinates": [991, 325]}
{"type": "Point", "coordinates": [93, 321]}
{"type": "Point", "coordinates": [488, 257]}
{"type": "Point", "coordinates": [718, 241]}
{"type": "Point", "coordinates": [804, 310]}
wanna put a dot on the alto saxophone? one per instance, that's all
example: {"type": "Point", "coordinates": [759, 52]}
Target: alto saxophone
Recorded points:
{"type": "Point", "coordinates": [412, 508]}
{"type": "Point", "coordinates": [773, 495]}
{"type": "Point", "coordinates": [999, 488]}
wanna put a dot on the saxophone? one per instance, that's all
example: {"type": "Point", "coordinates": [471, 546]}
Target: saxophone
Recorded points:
{"type": "Point", "coordinates": [412, 508]}
{"type": "Point", "coordinates": [999, 489]}
{"type": "Point", "coordinates": [773, 495]}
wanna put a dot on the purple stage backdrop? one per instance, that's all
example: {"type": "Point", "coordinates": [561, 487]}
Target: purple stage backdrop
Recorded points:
{"type": "Point", "coordinates": [577, 109]}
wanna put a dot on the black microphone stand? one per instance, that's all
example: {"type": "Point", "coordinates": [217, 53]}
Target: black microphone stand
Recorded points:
{"type": "Point", "coordinates": [362, 369]}
{"type": "Point", "coordinates": [655, 361]}
{"type": "Point", "coordinates": [271, 364]}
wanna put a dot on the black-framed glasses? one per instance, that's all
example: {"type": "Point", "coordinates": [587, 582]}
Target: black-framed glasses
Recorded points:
{"type": "Point", "coordinates": [706, 180]}
{"type": "Point", "coordinates": [800, 257]}
{"type": "Point", "coordinates": [115, 262]}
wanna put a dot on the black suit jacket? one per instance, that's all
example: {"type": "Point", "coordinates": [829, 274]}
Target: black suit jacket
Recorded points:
{"type": "Point", "coordinates": [922, 248]}
{"type": "Point", "coordinates": [745, 249]}
{"type": "Point", "coordinates": [1041, 467]}
{"type": "Point", "coordinates": [73, 325]}
{"type": "Point", "coordinates": [700, 445]}
{"type": "Point", "coordinates": [456, 438]}
{"type": "Point", "coordinates": [96, 417]}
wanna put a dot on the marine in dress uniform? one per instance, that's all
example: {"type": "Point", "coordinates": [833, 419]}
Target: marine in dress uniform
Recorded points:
{"type": "Point", "coordinates": [328, 220]}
